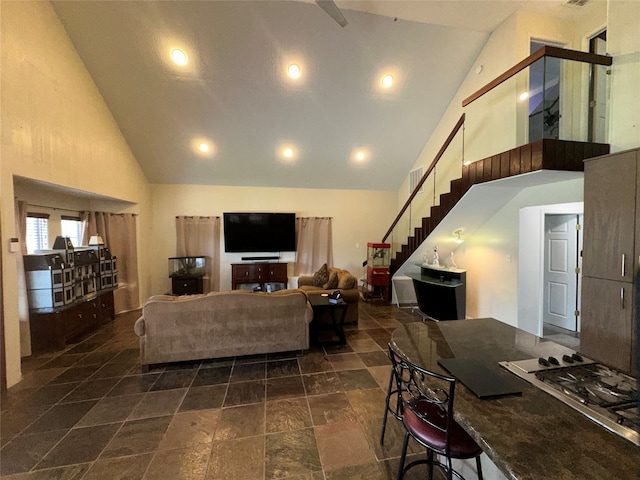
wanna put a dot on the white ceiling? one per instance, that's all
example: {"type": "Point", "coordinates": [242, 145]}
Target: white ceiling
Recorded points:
{"type": "Point", "coordinates": [234, 93]}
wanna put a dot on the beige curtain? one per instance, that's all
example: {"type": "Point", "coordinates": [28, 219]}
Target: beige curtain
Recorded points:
{"type": "Point", "coordinates": [86, 218]}
{"type": "Point", "coordinates": [23, 299]}
{"type": "Point", "coordinates": [200, 237]}
{"type": "Point", "coordinates": [118, 230]}
{"type": "Point", "coordinates": [120, 238]}
{"type": "Point", "coordinates": [314, 245]}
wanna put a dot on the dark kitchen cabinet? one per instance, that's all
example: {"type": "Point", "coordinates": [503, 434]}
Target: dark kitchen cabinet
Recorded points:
{"type": "Point", "coordinates": [607, 322]}
{"type": "Point", "coordinates": [610, 258]}
{"type": "Point", "coordinates": [610, 216]}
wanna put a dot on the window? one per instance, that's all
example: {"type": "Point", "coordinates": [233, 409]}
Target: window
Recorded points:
{"type": "Point", "coordinates": [72, 228]}
{"type": "Point", "coordinates": [37, 232]}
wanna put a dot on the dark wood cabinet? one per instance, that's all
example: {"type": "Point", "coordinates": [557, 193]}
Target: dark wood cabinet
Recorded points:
{"type": "Point", "coordinates": [107, 308]}
{"type": "Point", "coordinates": [52, 330]}
{"type": "Point", "coordinates": [264, 272]}
{"type": "Point", "coordinates": [83, 318]}
{"type": "Point", "coordinates": [187, 285]}
{"type": "Point", "coordinates": [278, 273]}
{"type": "Point", "coordinates": [610, 258]}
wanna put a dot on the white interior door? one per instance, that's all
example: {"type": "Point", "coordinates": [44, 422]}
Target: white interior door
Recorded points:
{"type": "Point", "coordinates": [560, 271]}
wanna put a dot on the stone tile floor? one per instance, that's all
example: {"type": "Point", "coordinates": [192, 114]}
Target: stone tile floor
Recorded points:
{"type": "Point", "coordinates": [89, 413]}
{"type": "Point", "coordinates": [568, 338]}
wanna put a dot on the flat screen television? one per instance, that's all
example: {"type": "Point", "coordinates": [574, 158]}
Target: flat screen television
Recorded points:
{"type": "Point", "coordinates": [259, 232]}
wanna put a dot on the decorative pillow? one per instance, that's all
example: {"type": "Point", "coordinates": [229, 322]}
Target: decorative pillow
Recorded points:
{"type": "Point", "coordinates": [346, 281]}
{"type": "Point", "coordinates": [333, 279]}
{"type": "Point", "coordinates": [321, 276]}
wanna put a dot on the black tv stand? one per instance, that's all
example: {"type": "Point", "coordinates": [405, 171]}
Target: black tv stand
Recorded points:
{"type": "Point", "coordinates": [262, 258]}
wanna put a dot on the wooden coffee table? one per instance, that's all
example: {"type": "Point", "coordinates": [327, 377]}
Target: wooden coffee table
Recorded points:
{"type": "Point", "coordinates": [320, 303]}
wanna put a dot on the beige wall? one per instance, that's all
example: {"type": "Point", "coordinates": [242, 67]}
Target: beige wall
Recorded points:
{"type": "Point", "coordinates": [491, 125]}
{"type": "Point", "coordinates": [55, 129]}
{"type": "Point", "coordinates": [358, 217]}
{"type": "Point", "coordinates": [492, 280]}
{"type": "Point", "coordinates": [623, 43]}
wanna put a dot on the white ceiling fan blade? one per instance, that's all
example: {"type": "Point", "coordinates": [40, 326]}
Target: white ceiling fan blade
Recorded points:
{"type": "Point", "coordinates": [334, 12]}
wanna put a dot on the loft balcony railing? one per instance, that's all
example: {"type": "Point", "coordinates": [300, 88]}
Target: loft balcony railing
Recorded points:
{"type": "Point", "coordinates": [554, 93]}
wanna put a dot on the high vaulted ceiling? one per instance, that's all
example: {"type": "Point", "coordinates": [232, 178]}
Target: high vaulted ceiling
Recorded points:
{"type": "Point", "coordinates": [234, 95]}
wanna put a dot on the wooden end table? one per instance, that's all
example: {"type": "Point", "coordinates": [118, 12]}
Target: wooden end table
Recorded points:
{"type": "Point", "coordinates": [320, 303]}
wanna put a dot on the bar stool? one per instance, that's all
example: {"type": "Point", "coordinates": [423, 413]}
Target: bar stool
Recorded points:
{"type": "Point", "coordinates": [394, 389]}
{"type": "Point", "coordinates": [427, 414]}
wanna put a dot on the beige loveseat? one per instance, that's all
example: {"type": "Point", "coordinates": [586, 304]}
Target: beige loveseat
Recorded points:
{"type": "Point", "coordinates": [222, 324]}
{"type": "Point", "coordinates": [330, 279]}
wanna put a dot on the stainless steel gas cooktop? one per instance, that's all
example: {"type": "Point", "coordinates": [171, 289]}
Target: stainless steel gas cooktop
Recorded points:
{"type": "Point", "coordinates": [606, 396]}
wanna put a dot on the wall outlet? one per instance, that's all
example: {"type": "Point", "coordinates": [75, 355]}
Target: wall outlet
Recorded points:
{"type": "Point", "coordinates": [509, 258]}
{"type": "Point", "coordinates": [357, 245]}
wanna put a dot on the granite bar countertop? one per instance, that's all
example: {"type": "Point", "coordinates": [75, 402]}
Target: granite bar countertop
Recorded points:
{"type": "Point", "coordinates": [528, 436]}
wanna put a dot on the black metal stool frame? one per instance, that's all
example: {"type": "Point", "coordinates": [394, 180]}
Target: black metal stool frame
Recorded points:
{"type": "Point", "coordinates": [395, 377]}
{"type": "Point", "coordinates": [434, 407]}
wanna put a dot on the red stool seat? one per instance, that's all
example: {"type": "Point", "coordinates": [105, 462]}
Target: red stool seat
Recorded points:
{"type": "Point", "coordinates": [461, 445]}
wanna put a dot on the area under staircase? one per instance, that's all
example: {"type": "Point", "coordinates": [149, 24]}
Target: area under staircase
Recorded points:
{"type": "Point", "coordinates": [542, 155]}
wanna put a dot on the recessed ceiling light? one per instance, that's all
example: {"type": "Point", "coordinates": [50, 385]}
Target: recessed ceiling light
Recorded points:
{"type": "Point", "coordinates": [387, 81]}
{"type": "Point", "coordinates": [203, 147]}
{"type": "Point", "coordinates": [287, 152]}
{"type": "Point", "coordinates": [293, 71]}
{"type": "Point", "coordinates": [360, 156]}
{"type": "Point", "coordinates": [524, 95]}
{"type": "Point", "coordinates": [178, 56]}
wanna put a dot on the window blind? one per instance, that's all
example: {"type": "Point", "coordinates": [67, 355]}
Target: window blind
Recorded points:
{"type": "Point", "coordinates": [37, 232]}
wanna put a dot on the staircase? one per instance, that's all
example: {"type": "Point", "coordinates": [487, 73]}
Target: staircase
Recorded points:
{"type": "Point", "coordinates": [545, 154]}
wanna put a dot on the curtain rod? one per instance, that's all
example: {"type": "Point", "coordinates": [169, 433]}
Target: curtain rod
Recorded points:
{"type": "Point", "coordinates": [76, 211]}
{"type": "Point", "coordinates": [52, 208]}
{"type": "Point", "coordinates": [110, 213]}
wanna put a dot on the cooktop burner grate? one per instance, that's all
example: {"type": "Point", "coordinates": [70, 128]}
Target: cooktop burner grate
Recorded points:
{"type": "Point", "coordinates": [595, 384]}
{"type": "Point", "coordinates": [604, 395]}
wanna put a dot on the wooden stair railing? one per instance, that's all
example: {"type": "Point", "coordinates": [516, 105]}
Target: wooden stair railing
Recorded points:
{"type": "Point", "coordinates": [417, 188]}
{"type": "Point", "coordinates": [545, 51]}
